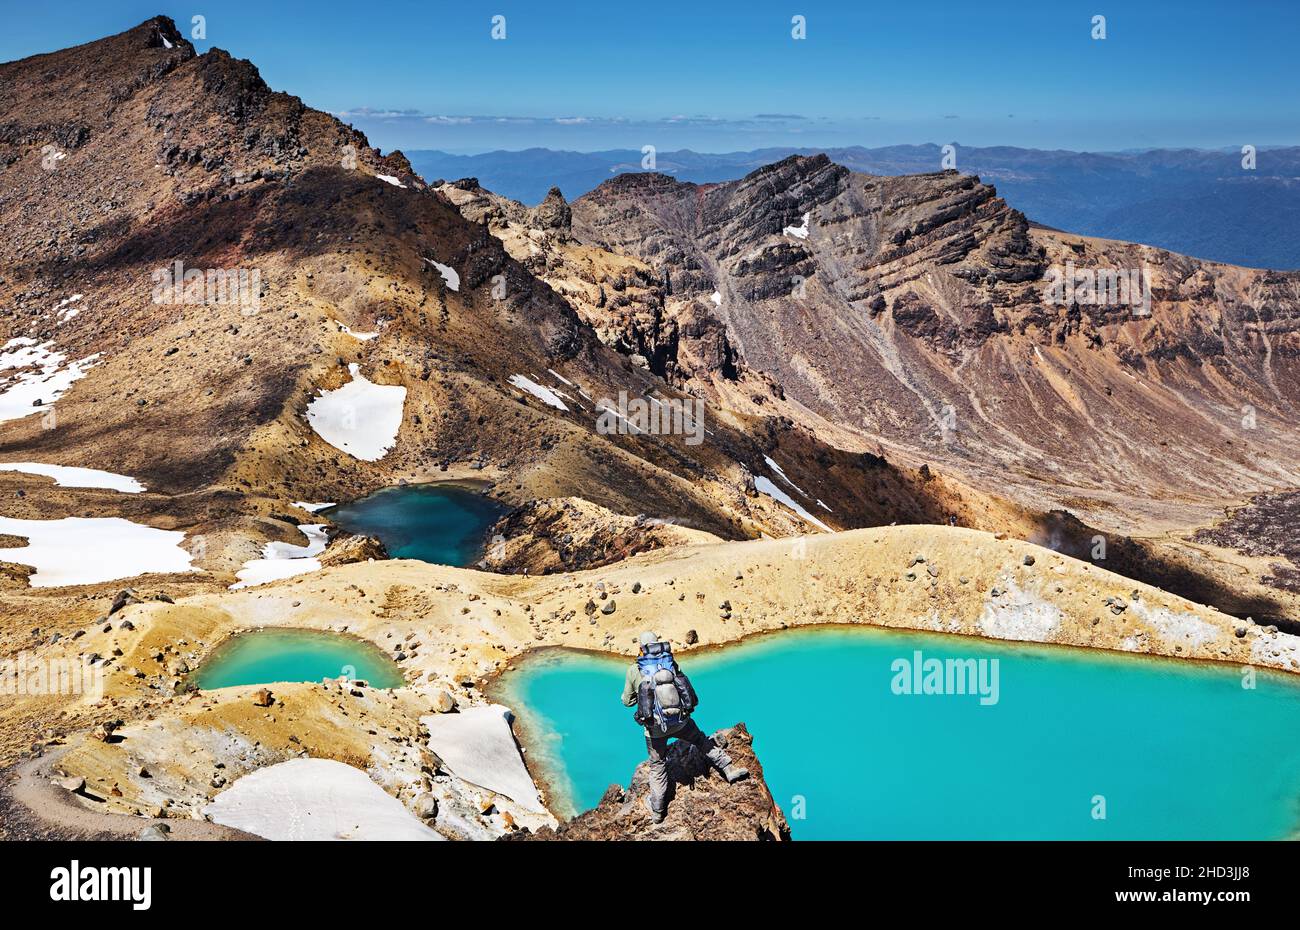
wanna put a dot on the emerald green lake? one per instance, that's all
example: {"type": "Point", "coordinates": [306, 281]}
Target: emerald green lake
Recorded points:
{"type": "Point", "coordinates": [433, 523]}
{"type": "Point", "coordinates": [1173, 750]}
{"type": "Point", "coordinates": [267, 656]}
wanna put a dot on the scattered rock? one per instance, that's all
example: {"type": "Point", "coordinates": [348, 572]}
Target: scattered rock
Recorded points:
{"type": "Point", "coordinates": [425, 806]}
{"type": "Point", "coordinates": [122, 599]}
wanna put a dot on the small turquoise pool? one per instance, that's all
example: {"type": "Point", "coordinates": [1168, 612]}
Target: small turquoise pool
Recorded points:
{"type": "Point", "coordinates": [433, 523]}
{"type": "Point", "coordinates": [1077, 745]}
{"type": "Point", "coordinates": [267, 656]}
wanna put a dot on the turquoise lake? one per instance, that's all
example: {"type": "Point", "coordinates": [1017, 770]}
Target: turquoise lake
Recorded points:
{"type": "Point", "coordinates": [433, 523]}
{"type": "Point", "coordinates": [266, 656]}
{"type": "Point", "coordinates": [1177, 750]}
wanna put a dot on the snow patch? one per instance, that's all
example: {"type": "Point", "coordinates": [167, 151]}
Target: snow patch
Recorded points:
{"type": "Point", "coordinates": [823, 506]}
{"type": "Point", "coordinates": [1019, 615]}
{"type": "Point", "coordinates": [449, 274]}
{"type": "Point", "coordinates": [311, 508]}
{"type": "Point", "coordinates": [478, 746]}
{"type": "Point", "coordinates": [716, 297]}
{"type": "Point", "coordinates": [544, 394]}
{"type": "Point", "coordinates": [88, 550]}
{"type": "Point", "coordinates": [361, 418]}
{"type": "Point", "coordinates": [68, 476]}
{"type": "Point", "coordinates": [315, 799]}
{"type": "Point", "coordinates": [782, 475]}
{"type": "Point", "coordinates": [799, 232]}
{"type": "Point", "coordinates": [364, 337]}
{"type": "Point", "coordinates": [560, 377]}
{"type": "Point", "coordinates": [284, 560]}
{"type": "Point", "coordinates": [764, 485]}
{"type": "Point", "coordinates": [389, 179]}
{"type": "Point", "coordinates": [29, 392]}
{"type": "Point", "coordinates": [65, 310]}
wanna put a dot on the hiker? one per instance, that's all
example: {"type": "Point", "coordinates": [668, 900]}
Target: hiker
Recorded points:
{"type": "Point", "coordinates": [664, 698]}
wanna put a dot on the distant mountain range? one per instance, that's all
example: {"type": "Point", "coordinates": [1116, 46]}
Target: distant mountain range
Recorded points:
{"type": "Point", "coordinates": [1199, 203]}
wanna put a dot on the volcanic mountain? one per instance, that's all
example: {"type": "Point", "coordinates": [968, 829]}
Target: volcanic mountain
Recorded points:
{"type": "Point", "coordinates": [923, 318]}
{"type": "Point", "coordinates": [131, 164]}
{"type": "Point", "coordinates": [216, 292]}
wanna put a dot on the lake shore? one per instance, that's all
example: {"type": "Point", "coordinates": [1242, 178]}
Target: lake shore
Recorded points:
{"type": "Point", "coordinates": [472, 625]}
{"type": "Point", "coordinates": [580, 739]}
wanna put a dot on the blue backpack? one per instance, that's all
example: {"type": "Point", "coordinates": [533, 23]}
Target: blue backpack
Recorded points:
{"type": "Point", "coordinates": [665, 697]}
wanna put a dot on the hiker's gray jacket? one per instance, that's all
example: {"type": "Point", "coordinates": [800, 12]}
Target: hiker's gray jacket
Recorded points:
{"type": "Point", "coordinates": [630, 685]}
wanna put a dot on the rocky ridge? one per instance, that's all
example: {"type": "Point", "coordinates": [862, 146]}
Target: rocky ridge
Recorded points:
{"type": "Point", "coordinates": [703, 805]}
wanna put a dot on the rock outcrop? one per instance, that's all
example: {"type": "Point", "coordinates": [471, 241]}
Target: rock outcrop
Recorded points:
{"type": "Point", "coordinates": [1140, 390]}
{"type": "Point", "coordinates": [347, 548]}
{"type": "Point", "coordinates": [163, 154]}
{"type": "Point", "coordinates": [920, 311]}
{"type": "Point", "coordinates": [704, 807]}
{"type": "Point", "coordinates": [569, 534]}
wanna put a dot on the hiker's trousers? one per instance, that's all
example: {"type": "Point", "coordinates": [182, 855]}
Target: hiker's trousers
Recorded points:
{"type": "Point", "coordinates": [657, 747]}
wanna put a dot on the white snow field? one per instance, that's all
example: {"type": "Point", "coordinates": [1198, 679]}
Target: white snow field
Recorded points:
{"type": "Point", "coordinates": [65, 309]}
{"type": "Point", "coordinates": [315, 799]}
{"type": "Point", "coordinates": [87, 550]}
{"type": "Point", "coordinates": [69, 476]}
{"type": "Point", "coordinates": [311, 508]}
{"type": "Point", "coordinates": [780, 473]}
{"type": "Point", "coordinates": [364, 337]}
{"type": "Point", "coordinates": [478, 746]}
{"type": "Point", "coordinates": [284, 560]}
{"type": "Point", "coordinates": [764, 485]}
{"type": "Point", "coordinates": [449, 274]}
{"type": "Point", "coordinates": [25, 393]}
{"type": "Point", "coordinates": [361, 418]}
{"type": "Point", "coordinates": [542, 393]}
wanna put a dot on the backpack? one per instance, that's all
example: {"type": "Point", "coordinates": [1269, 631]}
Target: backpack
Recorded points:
{"type": "Point", "coordinates": [665, 697]}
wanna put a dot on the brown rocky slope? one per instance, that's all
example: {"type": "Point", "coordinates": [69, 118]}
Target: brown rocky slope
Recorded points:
{"type": "Point", "coordinates": [171, 156]}
{"type": "Point", "coordinates": [912, 315]}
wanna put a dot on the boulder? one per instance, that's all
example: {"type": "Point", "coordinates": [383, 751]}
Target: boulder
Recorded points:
{"type": "Point", "coordinates": [346, 549]}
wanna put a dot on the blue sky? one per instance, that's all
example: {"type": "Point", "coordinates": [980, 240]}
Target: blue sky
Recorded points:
{"type": "Point", "coordinates": [728, 76]}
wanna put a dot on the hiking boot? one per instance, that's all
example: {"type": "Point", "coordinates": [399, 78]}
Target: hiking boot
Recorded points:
{"type": "Point", "coordinates": [734, 773]}
{"type": "Point", "coordinates": [655, 816]}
